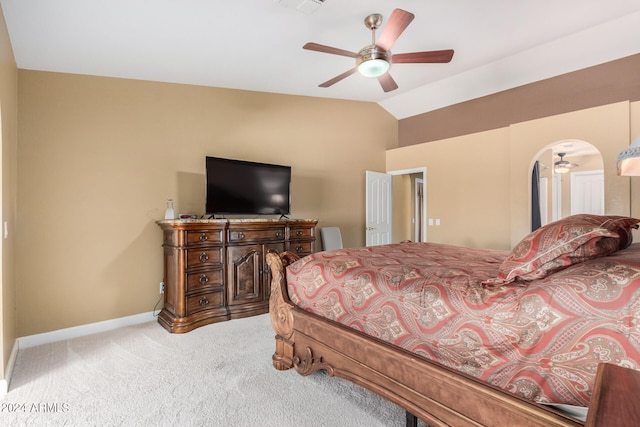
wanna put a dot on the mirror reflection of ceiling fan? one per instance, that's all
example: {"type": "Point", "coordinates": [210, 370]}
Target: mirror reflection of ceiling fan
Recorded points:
{"type": "Point", "coordinates": [562, 165]}
{"type": "Point", "coordinates": [374, 60]}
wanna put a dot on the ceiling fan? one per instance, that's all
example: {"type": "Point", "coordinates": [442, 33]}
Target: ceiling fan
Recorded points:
{"type": "Point", "coordinates": [374, 60]}
{"type": "Point", "coordinates": [562, 165]}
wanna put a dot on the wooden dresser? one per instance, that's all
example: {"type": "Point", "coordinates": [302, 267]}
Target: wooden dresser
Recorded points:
{"type": "Point", "coordinates": [215, 270]}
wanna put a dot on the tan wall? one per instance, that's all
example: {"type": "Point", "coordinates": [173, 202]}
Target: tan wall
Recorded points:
{"type": "Point", "coordinates": [99, 156]}
{"type": "Point", "coordinates": [467, 186]}
{"type": "Point", "coordinates": [9, 123]}
{"type": "Point", "coordinates": [478, 184]}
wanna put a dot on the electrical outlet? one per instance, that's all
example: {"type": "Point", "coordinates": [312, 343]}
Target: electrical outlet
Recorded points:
{"type": "Point", "coordinates": [162, 287]}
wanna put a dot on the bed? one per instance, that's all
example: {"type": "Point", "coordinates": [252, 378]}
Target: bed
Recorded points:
{"type": "Point", "coordinates": [467, 336]}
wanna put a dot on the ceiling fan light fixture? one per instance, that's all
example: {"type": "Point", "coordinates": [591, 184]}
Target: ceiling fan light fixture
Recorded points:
{"type": "Point", "coordinates": [562, 165]}
{"type": "Point", "coordinates": [373, 61]}
{"type": "Point", "coordinates": [562, 168]}
{"type": "Point", "coordinates": [373, 67]}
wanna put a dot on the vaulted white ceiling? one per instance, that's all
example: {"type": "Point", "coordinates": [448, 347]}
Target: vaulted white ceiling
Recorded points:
{"type": "Point", "coordinates": [257, 44]}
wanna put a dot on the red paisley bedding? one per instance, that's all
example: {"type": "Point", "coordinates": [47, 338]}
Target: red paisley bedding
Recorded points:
{"type": "Point", "coordinates": [541, 339]}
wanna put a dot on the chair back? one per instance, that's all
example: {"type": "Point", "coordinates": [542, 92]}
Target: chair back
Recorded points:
{"type": "Point", "coordinates": [331, 238]}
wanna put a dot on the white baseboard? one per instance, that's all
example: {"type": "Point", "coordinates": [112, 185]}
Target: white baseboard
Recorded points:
{"type": "Point", "coordinates": [4, 382]}
{"type": "Point", "coordinates": [79, 331]}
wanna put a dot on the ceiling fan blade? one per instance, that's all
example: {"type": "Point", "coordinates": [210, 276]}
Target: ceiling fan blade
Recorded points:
{"type": "Point", "coordinates": [336, 79]}
{"type": "Point", "coordinates": [397, 23]}
{"type": "Point", "coordinates": [328, 49]}
{"type": "Point", "coordinates": [439, 56]}
{"type": "Point", "coordinates": [387, 82]}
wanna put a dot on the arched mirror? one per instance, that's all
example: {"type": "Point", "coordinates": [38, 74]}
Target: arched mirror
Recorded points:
{"type": "Point", "coordinates": [568, 178]}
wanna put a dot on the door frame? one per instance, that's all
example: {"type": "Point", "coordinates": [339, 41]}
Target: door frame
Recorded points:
{"type": "Point", "coordinates": [418, 226]}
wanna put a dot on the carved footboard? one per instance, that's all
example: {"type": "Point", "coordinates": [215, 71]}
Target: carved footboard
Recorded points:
{"type": "Point", "coordinates": [438, 395]}
{"type": "Point", "coordinates": [280, 310]}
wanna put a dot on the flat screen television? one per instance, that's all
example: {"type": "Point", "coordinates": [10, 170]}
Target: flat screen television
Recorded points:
{"type": "Point", "coordinates": [238, 187]}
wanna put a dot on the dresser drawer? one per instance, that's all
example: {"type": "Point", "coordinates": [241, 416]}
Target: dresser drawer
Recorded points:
{"type": "Point", "coordinates": [300, 233]}
{"type": "Point", "coordinates": [204, 279]}
{"type": "Point", "coordinates": [201, 237]}
{"type": "Point", "coordinates": [300, 248]}
{"type": "Point", "coordinates": [204, 257]}
{"type": "Point", "coordinates": [237, 236]}
{"type": "Point", "coordinates": [206, 301]}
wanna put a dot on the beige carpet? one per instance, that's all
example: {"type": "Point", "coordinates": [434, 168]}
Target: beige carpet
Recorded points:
{"type": "Point", "coordinates": [217, 375]}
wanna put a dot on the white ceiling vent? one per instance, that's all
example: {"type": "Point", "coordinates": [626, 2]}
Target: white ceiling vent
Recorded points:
{"type": "Point", "coordinates": [304, 6]}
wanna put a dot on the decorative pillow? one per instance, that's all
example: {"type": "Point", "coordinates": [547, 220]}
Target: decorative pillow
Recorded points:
{"type": "Point", "coordinates": [556, 246]}
{"type": "Point", "coordinates": [621, 225]}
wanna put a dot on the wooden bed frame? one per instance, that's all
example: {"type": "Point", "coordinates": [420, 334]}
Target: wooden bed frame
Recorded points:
{"type": "Point", "coordinates": [434, 393]}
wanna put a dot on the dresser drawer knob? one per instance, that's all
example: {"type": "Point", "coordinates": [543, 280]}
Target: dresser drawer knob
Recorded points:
{"type": "Point", "coordinates": [203, 279]}
{"type": "Point", "coordinates": [299, 249]}
{"type": "Point", "coordinates": [278, 234]}
{"type": "Point", "coordinates": [204, 257]}
{"type": "Point", "coordinates": [204, 301]}
{"type": "Point", "coordinates": [299, 233]}
{"type": "Point", "coordinates": [203, 237]}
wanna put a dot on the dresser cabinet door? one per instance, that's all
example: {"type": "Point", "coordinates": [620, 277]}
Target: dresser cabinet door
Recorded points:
{"type": "Point", "coordinates": [244, 274]}
{"type": "Point", "coordinates": [248, 276]}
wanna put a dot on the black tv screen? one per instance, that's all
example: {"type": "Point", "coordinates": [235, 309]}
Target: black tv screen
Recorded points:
{"type": "Point", "coordinates": [247, 188]}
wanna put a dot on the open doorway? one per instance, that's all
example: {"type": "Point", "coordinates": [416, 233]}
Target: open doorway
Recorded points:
{"type": "Point", "coordinates": [409, 205]}
{"type": "Point", "coordinates": [404, 206]}
{"type": "Point", "coordinates": [576, 187]}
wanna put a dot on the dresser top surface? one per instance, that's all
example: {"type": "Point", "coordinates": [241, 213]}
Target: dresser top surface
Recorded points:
{"type": "Point", "coordinates": [232, 221]}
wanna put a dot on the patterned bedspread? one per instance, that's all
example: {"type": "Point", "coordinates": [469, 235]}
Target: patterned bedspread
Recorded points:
{"type": "Point", "coordinates": [541, 339]}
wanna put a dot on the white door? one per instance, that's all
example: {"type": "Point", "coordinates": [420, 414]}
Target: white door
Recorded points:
{"type": "Point", "coordinates": [379, 208]}
{"type": "Point", "coordinates": [587, 192]}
